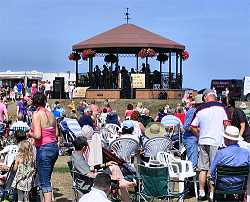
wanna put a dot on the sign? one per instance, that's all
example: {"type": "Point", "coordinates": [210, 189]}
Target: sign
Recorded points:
{"type": "Point", "coordinates": [138, 80]}
{"type": "Point", "coordinates": [80, 92]}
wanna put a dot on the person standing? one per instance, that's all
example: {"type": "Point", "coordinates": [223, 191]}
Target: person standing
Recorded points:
{"type": "Point", "coordinates": [208, 126]}
{"type": "Point", "coordinates": [19, 88]}
{"type": "Point", "coordinates": [44, 131]}
{"type": "Point", "coordinates": [239, 120]}
{"type": "Point", "coordinates": [3, 110]}
{"type": "Point", "coordinates": [190, 141]}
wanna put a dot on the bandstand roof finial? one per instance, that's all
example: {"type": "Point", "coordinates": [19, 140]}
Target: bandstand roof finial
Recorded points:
{"type": "Point", "coordinates": [127, 15]}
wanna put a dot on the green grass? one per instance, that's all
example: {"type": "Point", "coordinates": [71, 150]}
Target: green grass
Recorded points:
{"type": "Point", "coordinates": [61, 170]}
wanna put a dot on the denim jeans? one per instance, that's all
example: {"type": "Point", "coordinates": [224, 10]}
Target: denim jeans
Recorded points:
{"type": "Point", "coordinates": [45, 160]}
{"type": "Point", "coordinates": [191, 145]}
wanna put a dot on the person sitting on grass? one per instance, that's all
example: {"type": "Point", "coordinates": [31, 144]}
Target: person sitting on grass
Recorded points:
{"type": "Point", "coordinates": [80, 165]}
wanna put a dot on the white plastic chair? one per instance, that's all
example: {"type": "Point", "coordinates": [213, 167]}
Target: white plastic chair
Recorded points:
{"type": "Point", "coordinates": [113, 131]}
{"type": "Point", "coordinates": [180, 169]}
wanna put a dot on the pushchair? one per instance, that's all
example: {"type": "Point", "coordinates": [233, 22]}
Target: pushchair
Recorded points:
{"type": "Point", "coordinates": [69, 130]}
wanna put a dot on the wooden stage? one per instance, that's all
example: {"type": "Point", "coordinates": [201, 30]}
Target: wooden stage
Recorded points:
{"type": "Point", "coordinates": [138, 93]}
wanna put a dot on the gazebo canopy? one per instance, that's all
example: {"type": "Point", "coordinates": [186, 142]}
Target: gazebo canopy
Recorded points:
{"type": "Point", "coordinates": [128, 38]}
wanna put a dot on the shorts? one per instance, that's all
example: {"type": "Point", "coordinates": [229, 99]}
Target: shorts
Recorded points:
{"type": "Point", "coordinates": [45, 160]}
{"type": "Point", "coordinates": [206, 156]}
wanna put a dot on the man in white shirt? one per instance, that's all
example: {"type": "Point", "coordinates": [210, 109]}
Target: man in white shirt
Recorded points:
{"type": "Point", "coordinates": [208, 125]}
{"type": "Point", "coordinates": [102, 186]}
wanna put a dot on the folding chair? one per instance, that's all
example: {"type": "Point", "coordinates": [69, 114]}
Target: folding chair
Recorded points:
{"type": "Point", "coordinates": [230, 183]}
{"type": "Point", "coordinates": [8, 193]}
{"type": "Point", "coordinates": [81, 184]}
{"type": "Point", "coordinates": [154, 183]}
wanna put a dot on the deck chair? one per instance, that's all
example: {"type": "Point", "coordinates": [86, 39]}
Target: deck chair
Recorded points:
{"type": "Point", "coordinates": [230, 191]}
{"type": "Point", "coordinates": [155, 145]}
{"type": "Point", "coordinates": [154, 183]}
{"type": "Point", "coordinates": [81, 184]}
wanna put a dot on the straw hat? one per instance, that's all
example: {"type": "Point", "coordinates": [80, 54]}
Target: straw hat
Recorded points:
{"type": "Point", "coordinates": [232, 133]}
{"type": "Point", "coordinates": [154, 130]}
{"type": "Point", "coordinates": [243, 105]}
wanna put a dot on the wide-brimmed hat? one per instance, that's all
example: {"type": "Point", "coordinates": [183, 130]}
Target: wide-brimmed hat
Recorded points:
{"type": "Point", "coordinates": [232, 133]}
{"type": "Point", "coordinates": [154, 129]}
{"type": "Point", "coordinates": [243, 105]}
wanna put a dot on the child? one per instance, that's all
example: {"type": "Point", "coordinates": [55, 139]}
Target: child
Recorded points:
{"type": "Point", "coordinates": [25, 170]}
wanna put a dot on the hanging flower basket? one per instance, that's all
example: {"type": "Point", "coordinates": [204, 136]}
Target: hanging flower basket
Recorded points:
{"type": "Point", "coordinates": [146, 53]}
{"type": "Point", "coordinates": [110, 58]}
{"type": "Point", "coordinates": [74, 56]}
{"type": "Point", "coordinates": [185, 55]}
{"type": "Point", "coordinates": [162, 57]}
{"type": "Point", "coordinates": [88, 53]}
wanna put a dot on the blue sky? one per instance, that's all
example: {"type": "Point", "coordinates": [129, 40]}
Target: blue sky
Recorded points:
{"type": "Point", "coordinates": [39, 34]}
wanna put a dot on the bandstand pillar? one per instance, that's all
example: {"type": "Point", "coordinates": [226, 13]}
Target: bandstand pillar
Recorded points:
{"type": "Point", "coordinates": [137, 63]}
{"type": "Point", "coordinates": [177, 81]}
{"type": "Point", "coordinates": [169, 71]}
{"type": "Point", "coordinates": [160, 74]}
{"type": "Point", "coordinates": [181, 71]}
{"type": "Point", "coordinates": [77, 74]}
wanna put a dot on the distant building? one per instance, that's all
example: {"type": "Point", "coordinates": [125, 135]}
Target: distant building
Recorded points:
{"type": "Point", "coordinates": [10, 78]}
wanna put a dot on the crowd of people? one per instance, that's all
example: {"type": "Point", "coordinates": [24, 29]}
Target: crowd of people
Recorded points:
{"type": "Point", "coordinates": [213, 133]}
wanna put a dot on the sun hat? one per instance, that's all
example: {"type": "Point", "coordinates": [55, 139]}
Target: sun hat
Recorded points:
{"type": "Point", "coordinates": [208, 92]}
{"type": "Point", "coordinates": [198, 99]}
{"type": "Point", "coordinates": [243, 105]}
{"type": "Point", "coordinates": [127, 124]}
{"type": "Point", "coordinates": [232, 133]}
{"type": "Point", "coordinates": [154, 129]}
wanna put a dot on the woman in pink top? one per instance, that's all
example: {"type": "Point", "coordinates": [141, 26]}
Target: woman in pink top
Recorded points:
{"type": "Point", "coordinates": [44, 131]}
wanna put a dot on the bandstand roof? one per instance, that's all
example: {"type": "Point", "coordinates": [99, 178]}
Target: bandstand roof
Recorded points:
{"type": "Point", "coordinates": [128, 38]}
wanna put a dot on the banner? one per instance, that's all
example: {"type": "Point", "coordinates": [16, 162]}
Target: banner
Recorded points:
{"type": "Point", "coordinates": [80, 92]}
{"type": "Point", "coordinates": [138, 80]}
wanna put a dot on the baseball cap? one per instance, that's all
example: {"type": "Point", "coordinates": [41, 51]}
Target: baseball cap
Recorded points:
{"type": "Point", "coordinates": [127, 124]}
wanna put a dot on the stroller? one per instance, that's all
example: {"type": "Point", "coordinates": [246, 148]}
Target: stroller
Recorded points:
{"type": "Point", "coordinates": [69, 130]}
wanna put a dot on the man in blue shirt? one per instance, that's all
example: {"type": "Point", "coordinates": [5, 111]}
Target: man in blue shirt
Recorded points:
{"type": "Point", "coordinates": [19, 88]}
{"type": "Point", "coordinates": [190, 140]}
{"type": "Point", "coordinates": [232, 155]}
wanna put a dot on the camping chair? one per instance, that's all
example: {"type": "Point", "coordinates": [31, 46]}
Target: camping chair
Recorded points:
{"type": "Point", "coordinates": [81, 184]}
{"type": "Point", "coordinates": [124, 148]}
{"type": "Point", "coordinates": [7, 192]}
{"type": "Point", "coordinates": [155, 145]}
{"type": "Point", "coordinates": [154, 183]}
{"type": "Point", "coordinates": [234, 190]}
{"type": "Point", "coordinates": [178, 169]}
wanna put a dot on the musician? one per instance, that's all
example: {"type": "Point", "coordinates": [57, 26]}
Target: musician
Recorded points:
{"type": "Point", "coordinates": [80, 164]}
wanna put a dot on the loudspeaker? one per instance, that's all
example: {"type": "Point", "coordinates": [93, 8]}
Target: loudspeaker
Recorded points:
{"type": "Point", "coordinates": [58, 86]}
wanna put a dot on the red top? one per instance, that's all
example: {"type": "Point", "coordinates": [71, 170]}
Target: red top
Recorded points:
{"type": "Point", "coordinates": [181, 116]}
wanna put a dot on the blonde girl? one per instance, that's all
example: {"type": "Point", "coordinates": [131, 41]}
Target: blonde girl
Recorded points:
{"type": "Point", "coordinates": [25, 170]}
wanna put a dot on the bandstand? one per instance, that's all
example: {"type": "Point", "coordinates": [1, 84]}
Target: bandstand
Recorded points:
{"type": "Point", "coordinates": [129, 40]}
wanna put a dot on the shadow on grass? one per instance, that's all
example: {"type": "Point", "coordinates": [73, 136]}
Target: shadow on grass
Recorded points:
{"type": "Point", "coordinates": [58, 196]}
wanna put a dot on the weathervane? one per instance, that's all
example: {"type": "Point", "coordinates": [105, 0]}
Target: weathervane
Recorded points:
{"type": "Point", "coordinates": [127, 16]}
